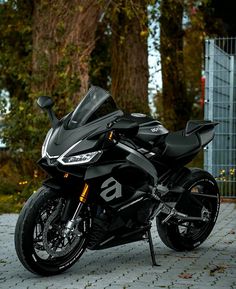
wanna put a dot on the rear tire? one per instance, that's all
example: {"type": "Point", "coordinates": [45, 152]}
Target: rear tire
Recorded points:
{"type": "Point", "coordinates": [39, 240]}
{"type": "Point", "coordinates": [189, 235]}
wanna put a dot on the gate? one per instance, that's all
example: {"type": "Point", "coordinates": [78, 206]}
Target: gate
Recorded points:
{"type": "Point", "coordinates": [220, 106]}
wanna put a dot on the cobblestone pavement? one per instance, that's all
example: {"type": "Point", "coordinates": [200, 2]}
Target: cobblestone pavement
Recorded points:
{"type": "Point", "coordinates": [213, 265]}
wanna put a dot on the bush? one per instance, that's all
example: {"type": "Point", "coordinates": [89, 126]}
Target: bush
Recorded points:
{"type": "Point", "coordinates": [15, 187]}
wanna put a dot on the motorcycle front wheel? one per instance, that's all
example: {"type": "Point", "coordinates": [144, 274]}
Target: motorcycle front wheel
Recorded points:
{"type": "Point", "coordinates": [205, 199]}
{"type": "Point", "coordinates": [40, 240]}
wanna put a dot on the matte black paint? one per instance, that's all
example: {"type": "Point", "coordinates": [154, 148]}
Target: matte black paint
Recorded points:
{"type": "Point", "coordinates": [140, 153]}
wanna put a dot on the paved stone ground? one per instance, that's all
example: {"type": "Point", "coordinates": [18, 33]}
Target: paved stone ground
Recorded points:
{"type": "Point", "coordinates": [213, 265]}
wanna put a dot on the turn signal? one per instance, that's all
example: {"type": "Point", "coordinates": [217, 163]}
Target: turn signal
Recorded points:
{"type": "Point", "coordinates": [110, 136]}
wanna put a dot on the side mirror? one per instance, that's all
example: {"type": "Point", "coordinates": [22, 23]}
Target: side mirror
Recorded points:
{"type": "Point", "coordinates": [45, 102]}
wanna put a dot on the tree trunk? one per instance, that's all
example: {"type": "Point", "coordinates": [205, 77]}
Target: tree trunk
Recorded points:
{"type": "Point", "coordinates": [176, 107]}
{"type": "Point", "coordinates": [129, 70]}
{"type": "Point", "coordinates": [63, 39]}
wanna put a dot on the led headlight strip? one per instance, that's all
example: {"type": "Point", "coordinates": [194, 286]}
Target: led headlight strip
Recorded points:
{"type": "Point", "coordinates": [78, 159]}
{"type": "Point", "coordinates": [45, 143]}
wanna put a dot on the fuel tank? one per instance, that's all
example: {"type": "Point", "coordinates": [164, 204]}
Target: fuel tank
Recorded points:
{"type": "Point", "coordinates": [150, 129]}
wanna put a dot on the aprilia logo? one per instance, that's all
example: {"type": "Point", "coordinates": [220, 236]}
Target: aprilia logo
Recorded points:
{"type": "Point", "coordinates": [155, 129]}
{"type": "Point", "coordinates": [112, 190]}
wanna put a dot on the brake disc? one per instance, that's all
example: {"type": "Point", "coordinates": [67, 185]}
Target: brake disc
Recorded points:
{"type": "Point", "coordinates": [54, 242]}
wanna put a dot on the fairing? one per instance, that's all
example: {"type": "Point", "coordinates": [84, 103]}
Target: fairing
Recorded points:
{"type": "Point", "coordinates": [93, 113]}
{"type": "Point", "coordinates": [62, 139]}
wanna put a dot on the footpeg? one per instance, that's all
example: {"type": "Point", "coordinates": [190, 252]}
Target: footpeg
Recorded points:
{"type": "Point", "coordinates": [161, 190]}
{"type": "Point", "coordinates": [174, 213]}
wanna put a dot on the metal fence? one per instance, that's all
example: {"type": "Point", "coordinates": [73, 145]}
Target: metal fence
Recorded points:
{"type": "Point", "coordinates": [220, 106]}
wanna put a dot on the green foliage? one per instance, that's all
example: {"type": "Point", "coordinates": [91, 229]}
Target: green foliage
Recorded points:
{"type": "Point", "coordinates": [3, 105]}
{"type": "Point", "coordinates": [13, 197]}
{"type": "Point", "coordinates": [16, 46]}
{"type": "Point", "coordinates": [15, 73]}
{"type": "Point", "coordinates": [226, 181]}
{"type": "Point", "coordinates": [25, 125]}
{"type": "Point", "coordinates": [36, 60]}
{"type": "Point", "coordinates": [24, 133]}
{"type": "Point", "coordinates": [8, 204]}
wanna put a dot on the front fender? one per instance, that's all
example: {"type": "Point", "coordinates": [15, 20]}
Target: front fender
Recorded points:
{"type": "Point", "coordinates": [52, 184]}
{"type": "Point", "coordinates": [71, 197]}
{"type": "Point", "coordinates": [66, 186]}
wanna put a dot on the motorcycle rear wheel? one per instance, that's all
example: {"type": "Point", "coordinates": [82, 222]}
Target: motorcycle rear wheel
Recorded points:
{"type": "Point", "coordinates": [186, 236]}
{"type": "Point", "coordinates": [39, 241]}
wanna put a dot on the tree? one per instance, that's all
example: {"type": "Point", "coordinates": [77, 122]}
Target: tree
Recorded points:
{"type": "Point", "coordinates": [45, 49]}
{"type": "Point", "coordinates": [183, 25]}
{"type": "Point", "coordinates": [176, 107]}
{"type": "Point", "coordinates": [129, 71]}
{"type": "Point", "coordinates": [194, 36]}
{"type": "Point", "coordinates": [63, 39]}
{"type": "Point", "coordinates": [100, 62]}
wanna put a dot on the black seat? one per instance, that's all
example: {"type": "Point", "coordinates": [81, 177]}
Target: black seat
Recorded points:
{"type": "Point", "coordinates": [177, 145]}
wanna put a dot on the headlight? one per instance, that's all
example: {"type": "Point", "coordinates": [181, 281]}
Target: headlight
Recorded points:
{"type": "Point", "coordinates": [79, 159]}
{"type": "Point", "coordinates": [45, 143]}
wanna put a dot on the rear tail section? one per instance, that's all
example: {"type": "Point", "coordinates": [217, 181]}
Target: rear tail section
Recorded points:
{"type": "Point", "coordinates": [204, 128]}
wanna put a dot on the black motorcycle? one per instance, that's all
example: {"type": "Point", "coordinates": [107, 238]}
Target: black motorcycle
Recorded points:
{"type": "Point", "coordinates": [112, 174]}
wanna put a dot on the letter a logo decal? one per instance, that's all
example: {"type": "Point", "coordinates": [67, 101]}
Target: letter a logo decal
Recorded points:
{"type": "Point", "coordinates": [112, 190]}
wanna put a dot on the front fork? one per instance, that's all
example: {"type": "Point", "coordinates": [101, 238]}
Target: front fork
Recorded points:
{"type": "Point", "coordinates": [70, 226]}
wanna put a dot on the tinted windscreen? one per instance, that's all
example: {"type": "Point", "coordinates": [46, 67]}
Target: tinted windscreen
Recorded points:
{"type": "Point", "coordinates": [96, 103]}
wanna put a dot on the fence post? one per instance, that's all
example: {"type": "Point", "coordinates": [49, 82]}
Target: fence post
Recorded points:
{"type": "Point", "coordinates": [231, 107]}
{"type": "Point", "coordinates": [209, 92]}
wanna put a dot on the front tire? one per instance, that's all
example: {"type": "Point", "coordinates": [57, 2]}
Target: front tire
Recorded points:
{"type": "Point", "coordinates": [39, 241]}
{"type": "Point", "coordinates": [181, 236]}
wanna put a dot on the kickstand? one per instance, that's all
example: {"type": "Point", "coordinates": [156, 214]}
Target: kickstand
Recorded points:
{"type": "Point", "coordinates": [151, 248]}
